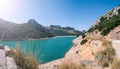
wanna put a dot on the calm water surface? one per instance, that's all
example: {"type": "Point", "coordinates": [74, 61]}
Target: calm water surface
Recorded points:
{"type": "Point", "coordinates": [46, 50]}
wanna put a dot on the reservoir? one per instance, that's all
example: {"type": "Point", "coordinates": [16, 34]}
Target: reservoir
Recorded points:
{"type": "Point", "coordinates": [45, 50]}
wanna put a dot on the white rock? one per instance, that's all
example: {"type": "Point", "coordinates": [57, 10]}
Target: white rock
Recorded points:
{"type": "Point", "coordinates": [11, 63]}
{"type": "Point", "coordinates": [7, 48]}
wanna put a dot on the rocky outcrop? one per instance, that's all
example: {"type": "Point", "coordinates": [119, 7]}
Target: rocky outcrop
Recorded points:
{"type": "Point", "coordinates": [111, 13]}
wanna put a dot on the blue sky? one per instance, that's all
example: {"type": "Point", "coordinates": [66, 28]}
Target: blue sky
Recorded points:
{"type": "Point", "coordinates": [80, 14]}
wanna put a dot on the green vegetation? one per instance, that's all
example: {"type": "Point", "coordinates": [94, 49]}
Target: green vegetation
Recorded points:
{"type": "Point", "coordinates": [105, 26]}
{"type": "Point", "coordinates": [72, 66]}
{"type": "Point", "coordinates": [83, 41]}
{"type": "Point", "coordinates": [93, 28]}
{"type": "Point", "coordinates": [116, 64]}
{"type": "Point", "coordinates": [23, 61]}
{"type": "Point", "coordinates": [83, 36]}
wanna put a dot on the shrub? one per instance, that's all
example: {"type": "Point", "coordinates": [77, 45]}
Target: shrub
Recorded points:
{"type": "Point", "coordinates": [106, 64]}
{"type": "Point", "coordinates": [93, 28]}
{"type": "Point", "coordinates": [83, 36]}
{"type": "Point", "coordinates": [108, 56]}
{"type": "Point", "coordinates": [72, 66]}
{"type": "Point", "coordinates": [23, 61]}
{"type": "Point", "coordinates": [83, 41]}
{"type": "Point", "coordinates": [78, 35]}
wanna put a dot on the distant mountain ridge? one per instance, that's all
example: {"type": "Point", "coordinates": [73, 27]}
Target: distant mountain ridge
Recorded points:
{"type": "Point", "coordinates": [30, 30]}
{"type": "Point", "coordinates": [57, 30]}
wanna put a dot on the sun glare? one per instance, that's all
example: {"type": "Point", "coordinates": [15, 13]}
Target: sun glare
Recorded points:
{"type": "Point", "coordinates": [5, 4]}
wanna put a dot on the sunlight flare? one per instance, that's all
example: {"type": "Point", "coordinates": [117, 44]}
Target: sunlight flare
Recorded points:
{"type": "Point", "coordinates": [5, 4]}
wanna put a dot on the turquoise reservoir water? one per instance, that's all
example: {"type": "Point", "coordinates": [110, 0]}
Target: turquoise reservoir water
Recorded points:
{"type": "Point", "coordinates": [46, 50]}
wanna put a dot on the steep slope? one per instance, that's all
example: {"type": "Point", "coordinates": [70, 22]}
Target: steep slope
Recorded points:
{"type": "Point", "coordinates": [96, 43]}
{"type": "Point", "coordinates": [107, 23]}
{"type": "Point", "coordinates": [97, 40]}
{"type": "Point", "coordinates": [95, 48]}
{"type": "Point", "coordinates": [61, 31]}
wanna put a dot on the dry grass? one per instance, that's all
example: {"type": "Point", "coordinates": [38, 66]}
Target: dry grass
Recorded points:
{"type": "Point", "coordinates": [107, 54]}
{"type": "Point", "coordinates": [93, 38]}
{"type": "Point", "coordinates": [107, 44]}
{"type": "Point", "coordinates": [72, 66]}
{"type": "Point", "coordinates": [23, 61]}
{"type": "Point", "coordinates": [116, 64]}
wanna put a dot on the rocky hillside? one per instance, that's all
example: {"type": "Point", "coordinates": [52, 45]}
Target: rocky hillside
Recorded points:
{"type": "Point", "coordinates": [57, 30]}
{"type": "Point", "coordinates": [97, 47]}
{"type": "Point", "coordinates": [106, 24]}
{"type": "Point", "coordinates": [30, 30]}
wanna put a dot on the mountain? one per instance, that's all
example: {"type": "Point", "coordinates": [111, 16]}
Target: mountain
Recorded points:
{"type": "Point", "coordinates": [57, 30]}
{"type": "Point", "coordinates": [30, 30]}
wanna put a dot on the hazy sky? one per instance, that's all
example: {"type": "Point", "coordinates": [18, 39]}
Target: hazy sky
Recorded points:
{"type": "Point", "coordinates": [80, 14]}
